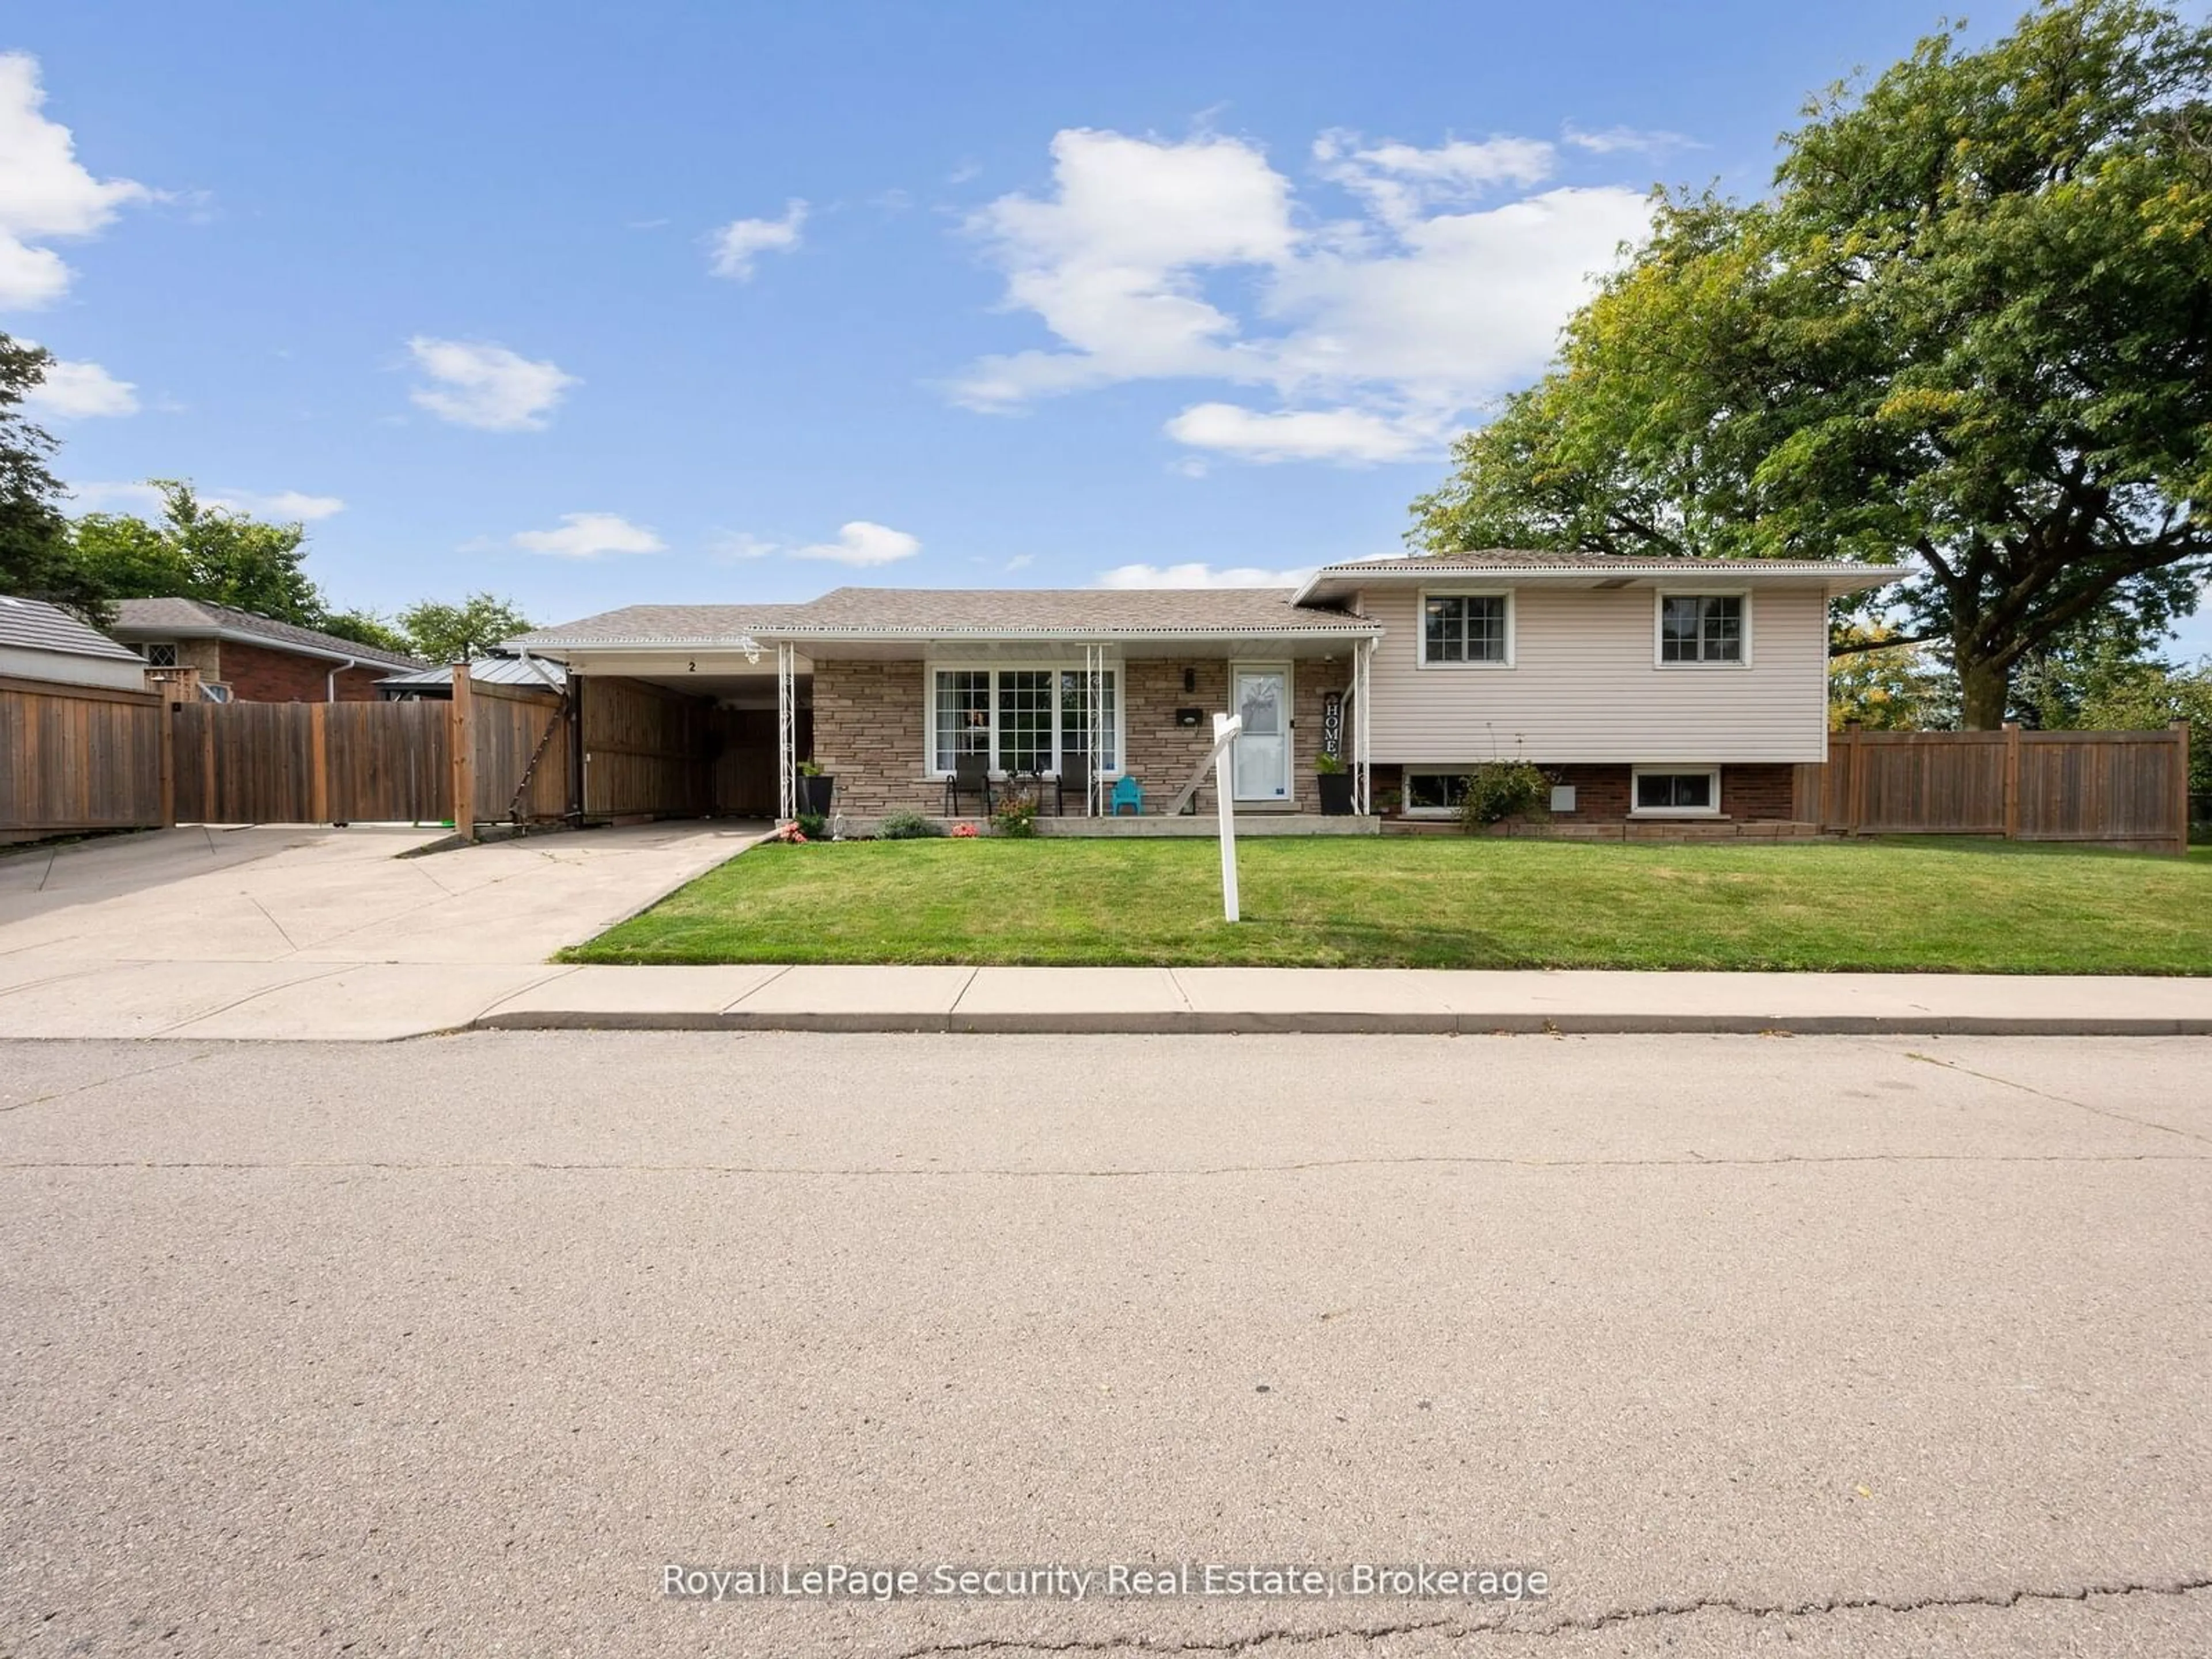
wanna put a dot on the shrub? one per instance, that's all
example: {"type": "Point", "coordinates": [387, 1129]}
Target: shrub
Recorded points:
{"type": "Point", "coordinates": [813, 826]}
{"type": "Point", "coordinates": [1016, 817]}
{"type": "Point", "coordinates": [1502, 789]}
{"type": "Point", "coordinates": [907, 826]}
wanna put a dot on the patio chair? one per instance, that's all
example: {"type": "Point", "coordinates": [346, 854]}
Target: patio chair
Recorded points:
{"type": "Point", "coordinates": [971, 775]}
{"type": "Point", "coordinates": [1074, 775]}
{"type": "Point", "coordinates": [1128, 793]}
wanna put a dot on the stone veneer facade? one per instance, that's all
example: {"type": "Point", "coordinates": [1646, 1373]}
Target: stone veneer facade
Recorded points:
{"type": "Point", "coordinates": [869, 720]}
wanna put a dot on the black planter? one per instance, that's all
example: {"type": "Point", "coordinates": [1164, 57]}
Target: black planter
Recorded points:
{"type": "Point", "coordinates": [1336, 794]}
{"type": "Point", "coordinates": [814, 793]}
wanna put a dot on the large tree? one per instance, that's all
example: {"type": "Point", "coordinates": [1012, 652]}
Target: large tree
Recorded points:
{"type": "Point", "coordinates": [195, 551]}
{"type": "Point", "coordinates": [453, 633]}
{"type": "Point", "coordinates": [1970, 329]}
{"type": "Point", "coordinates": [35, 560]}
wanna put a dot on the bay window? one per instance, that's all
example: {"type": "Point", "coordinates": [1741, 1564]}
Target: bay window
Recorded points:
{"type": "Point", "coordinates": [1026, 720]}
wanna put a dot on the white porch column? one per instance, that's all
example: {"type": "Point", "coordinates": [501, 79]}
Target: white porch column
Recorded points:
{"type": "Point", "coordinates": [1361, 781]}
{"type": "Point", "coordinates": [786, 733]}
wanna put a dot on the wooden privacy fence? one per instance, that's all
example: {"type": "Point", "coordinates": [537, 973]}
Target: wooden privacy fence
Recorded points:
{"type": "Point", "coordinates": [76, 758]}
{"type": "Point", "coordinates": [2121, 789]}
{"type": "Point", "coordinates": [313, 762]}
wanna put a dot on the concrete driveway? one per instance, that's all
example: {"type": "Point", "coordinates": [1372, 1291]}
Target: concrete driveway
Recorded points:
{"type": "Point", "coordinates": [1825, 1346]}
{"type": "Point", "coordinates": [279, 932]}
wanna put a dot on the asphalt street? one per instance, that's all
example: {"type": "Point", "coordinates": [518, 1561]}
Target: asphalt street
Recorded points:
{"type": "Point", "coordinates": [1751, 1345]}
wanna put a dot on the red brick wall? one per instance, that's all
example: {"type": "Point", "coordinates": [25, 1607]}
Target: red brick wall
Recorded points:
{"type": "Point", "coordinates": [1753, 793]}
{"type": "Point", "coordinates": [257, 674]}
{"type": "Point", "coordinates": [1750, 793]}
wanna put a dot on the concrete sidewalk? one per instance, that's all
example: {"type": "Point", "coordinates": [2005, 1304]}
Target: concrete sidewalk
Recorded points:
{"type": "Point", "coordinates": [1170, 1000]}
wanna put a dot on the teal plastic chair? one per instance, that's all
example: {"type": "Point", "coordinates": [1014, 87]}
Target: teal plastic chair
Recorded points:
{"type": "Point", "coordinates": [1128, 793]}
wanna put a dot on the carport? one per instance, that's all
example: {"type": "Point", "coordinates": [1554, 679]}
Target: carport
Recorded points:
{"type": "Point", "coordinates": [699, 743]}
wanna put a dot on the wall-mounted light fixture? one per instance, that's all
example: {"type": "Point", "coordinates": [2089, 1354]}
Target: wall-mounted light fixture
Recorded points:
{"type": "Point", "coordinates": [1190, 680]}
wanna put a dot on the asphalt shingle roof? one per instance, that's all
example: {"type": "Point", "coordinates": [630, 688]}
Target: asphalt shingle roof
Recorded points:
{"type": "Point", "coordinates": [199, 618]}
{"type": "Point", "coordinates": [34, 625]}
{"type": "Point", "coordinates": [966, 612]}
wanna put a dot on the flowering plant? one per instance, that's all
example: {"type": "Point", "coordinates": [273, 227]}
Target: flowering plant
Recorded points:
{"type": "Point", "coordinates": [790, 833]}
{"type": "Point", "coordinates": [965, 832]}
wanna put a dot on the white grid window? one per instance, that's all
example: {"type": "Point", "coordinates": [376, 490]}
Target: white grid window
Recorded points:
{"type": "Point", "coordinates": [1464, 628]}
{"type": "Point", "coordinates": [1025, 722]}
{"type": "Point", "coordinates": [963, 715]}
{"type": "Point", "coordinates": [1701, 627]}
{"type": "Point", "coordinates": [1025, 719]}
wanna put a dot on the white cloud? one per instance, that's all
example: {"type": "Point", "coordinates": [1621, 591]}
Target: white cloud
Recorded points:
{"type": "Point", "coordinates": [1021, 562]}
{"type": "Point", "coordinates": [590, 536]}
{"type": "Point", "coordinates": [283, 505]}
{"type": "Point", "coordinates": [45, 192]}
{"type": "Point", "coordinates": [1352, 436]}
{"type": "Point", "coordinates": [1112, 263]}
{"type": "Point", "coordinates": [861, 542]}
{"type": "Point", "coordinates": [1199, 575]}
{"type": "Point", "coordinates": [738, 244]}
{"type": "Point", "coordinates": [737, 544]}
{"type": "Point", "coordinates": [77, 390]}
{"type": "Point", "coordinates": [1400, 182]}
{"type": "Point", "coordinates": [482, 385]}
{"type": "Point", "coordinates": [1615, 141]}
{"type": "Point", "coordinates": [1380, 335]}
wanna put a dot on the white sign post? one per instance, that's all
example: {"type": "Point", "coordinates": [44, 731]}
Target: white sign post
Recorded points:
{"type": "Point", "coordinates": [1225, 728]}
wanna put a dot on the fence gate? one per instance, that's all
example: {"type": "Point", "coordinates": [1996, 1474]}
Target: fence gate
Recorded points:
{"type": "Point", "coordinates": [313, 762]}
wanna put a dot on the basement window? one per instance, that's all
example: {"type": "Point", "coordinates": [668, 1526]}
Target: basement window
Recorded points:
{"type": "Point", "coordinates": [1677, 795]}
{"type": "Point", "coordinates": [1434, 794]}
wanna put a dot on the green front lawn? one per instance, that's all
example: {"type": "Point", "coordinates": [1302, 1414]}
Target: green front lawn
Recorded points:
{"type": "Point", "coordinates": [1440, 902]}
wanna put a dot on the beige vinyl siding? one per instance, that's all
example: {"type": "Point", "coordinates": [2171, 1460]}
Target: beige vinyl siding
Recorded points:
{"type": "Point", "coordinates": [1585, 685]}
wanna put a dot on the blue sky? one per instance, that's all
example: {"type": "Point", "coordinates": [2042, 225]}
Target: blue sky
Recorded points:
{"type": "Point", "coordinates": [592, 304]}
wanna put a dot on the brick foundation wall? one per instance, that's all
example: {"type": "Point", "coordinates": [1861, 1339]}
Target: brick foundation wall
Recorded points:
{"type": "Point", "coordinates": [1751, 793]}
{"type": "Point", "coordinates": [258, 675]}
{"type": "Point", "coordinates": [1758, 792]}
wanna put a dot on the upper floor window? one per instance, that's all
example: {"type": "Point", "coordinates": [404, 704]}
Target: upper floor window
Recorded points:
{"type": "Point", "coordinates": [1701, 627]}
{"type": "Point", "coordinates": [1464, 628]}
{"type": "Point", "coordinates": [160, 653]}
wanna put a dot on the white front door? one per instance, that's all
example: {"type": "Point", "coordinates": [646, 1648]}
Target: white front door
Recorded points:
{"type": "Point", "coordinates": [1262, 760]}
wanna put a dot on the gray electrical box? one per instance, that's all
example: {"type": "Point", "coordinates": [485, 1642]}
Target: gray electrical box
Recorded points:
{"type": "Point", "coordinates": [1562, 798]}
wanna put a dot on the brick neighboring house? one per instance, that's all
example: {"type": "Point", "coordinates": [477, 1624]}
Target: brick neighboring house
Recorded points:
{"type": "Point", "coordinates": [253, 658]}
{"type": "Point", "coordinates": [1654, 693]}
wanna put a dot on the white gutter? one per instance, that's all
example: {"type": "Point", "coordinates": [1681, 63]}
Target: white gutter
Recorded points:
{"type": "Point", "coordinates": [894, 636]}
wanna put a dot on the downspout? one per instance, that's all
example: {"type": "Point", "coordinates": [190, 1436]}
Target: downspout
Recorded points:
{"type": "Point", "coordinates": [331, 682]}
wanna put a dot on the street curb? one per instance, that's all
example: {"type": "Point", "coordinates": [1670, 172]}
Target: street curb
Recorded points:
{"type": "Point", "coordinates": [1345, 1022]}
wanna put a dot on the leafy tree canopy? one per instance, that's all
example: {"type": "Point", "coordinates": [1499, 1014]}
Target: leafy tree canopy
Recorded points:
{"type": "Point", "coordinates": [201, 552]}
{"type": "Point", "coordinates": [453, 633]}
{"type": "Point", "coordinates": [34, 542]}
{"type": "Point", "coordinates": [1972, 329]}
